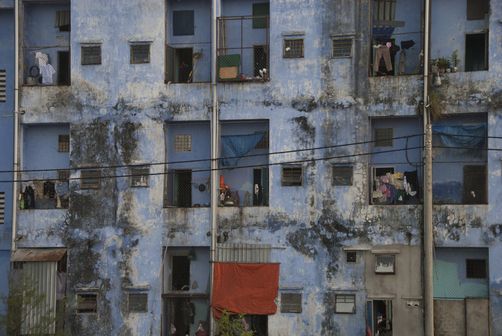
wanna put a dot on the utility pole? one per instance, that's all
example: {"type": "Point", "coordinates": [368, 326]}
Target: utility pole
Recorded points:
{"type": "Point", "coordinates": [428, 231]}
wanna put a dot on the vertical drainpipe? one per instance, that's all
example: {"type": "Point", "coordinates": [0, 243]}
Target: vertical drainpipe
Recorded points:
{"type": "Point", "coordinates": [214, 150]}
{"type": "Point", "coordinates": [428, 231]}
{"type": "Point", "coordinates": [15, 174]}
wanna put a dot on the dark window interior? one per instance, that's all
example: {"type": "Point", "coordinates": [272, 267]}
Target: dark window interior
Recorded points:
{"type": "Point", "coordinates": [184, 58]}
{"type": "Point", "coordinates": [260, 60]}
{"type": "Point", "coordinates": [183, 22]}
{"type": "Point", "coordinates": [351, 256]}
{"type": "Point", "coordinates": [292, 176]}
{"type": "Point", "coordinates": [140, 53]}
{"type": "Point", "coordinates": [383, 137]}
{"type": "Point", "coordinates": [477, 9]}
{"type": "Point", "coordinates": [184, 189]}
{"type": "Point", "coordinates": [476, 52]}
{"type": "Point", "coordinates": [342, 175]}
{"type": "Point", "coordinates": [87, 303]}
{"type": "Point", "coordinates": [181, 273]}
{"type": "Point", "coordinates": [260, 186]}
{"type": "Point", "coordinates": [475, 268]}
{"type": "Point", "coordinates": [91, 55]}
{"type": "Point", "coordinates": [260, 9]}
{"type": "Point", "coordinates": [138, 302]}
{"type": "Point", "coordinates": [291, 302]}
{"type": "Point", "coordinates": [258, 324]}
{"type": "Point", "coordinates": [475, 189]}
{"type": "Point", "coordinates": [64, 68]}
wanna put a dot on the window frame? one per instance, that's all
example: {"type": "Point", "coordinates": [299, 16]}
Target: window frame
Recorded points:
{"type": "Point", "coordinates": [387, 142]}
{"type": "Point", "coordinates": [286, 183]}
{"type": "Point", "coordinates": [139, 172]}
{"type": "Point", "coordinates": [86, 181]}
{"type": "Point", "coordinates": [63, 143]}
{"type": "Point", "coordinates": [350, 260]}
{"type": "Point", "coordinates": [288, 53]}
{"type": "Point", "coordinates": [95, 60]}
{"type": "Point", "coordinates": [142, 309]}
{"type": "Point", "coordinates": [335, 39]}
{"type": "Point", "coordinates": [292, 308]}
{"type": "Point", "coordinates": [78, 301]}
{"type": "Point", "coordinates": [346, 295]}
{"type": "Point", "coordinates": [334, 174]}
{"type": "Point", "coordinates": [136, 45]}
{"type": "Point", "coordinates": [385, 255]}
{"type": "Point", "coordinates": [181, 142]}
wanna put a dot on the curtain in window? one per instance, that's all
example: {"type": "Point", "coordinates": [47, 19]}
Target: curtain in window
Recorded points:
{"type": "Point", "coordinates": [234, 146]}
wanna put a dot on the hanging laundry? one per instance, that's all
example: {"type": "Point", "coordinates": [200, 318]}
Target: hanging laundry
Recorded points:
{"type": "Point", "coordinates": [46, 70]}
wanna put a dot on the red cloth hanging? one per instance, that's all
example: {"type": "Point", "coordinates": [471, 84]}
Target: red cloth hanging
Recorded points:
{"type": "Point", "coordinates": [245, 288]}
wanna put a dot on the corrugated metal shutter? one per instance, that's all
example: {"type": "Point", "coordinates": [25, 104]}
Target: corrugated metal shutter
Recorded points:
{"type": "Point", "coordinates": [3, 86]}
{"type": "Point", "coordinates": [2, 208]}
{"type": "Point", "coordinates": [245, 253]}
{"type": "Point", "coordinates": [40, 317]}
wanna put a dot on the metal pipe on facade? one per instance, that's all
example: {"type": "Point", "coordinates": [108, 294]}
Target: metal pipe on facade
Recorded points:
{"type": "Point", "coordinates": [428, 231]}
{"type": "Point", "coordinates": [15, 185]}
{"type": "Point", "coordinates": [214, 151]}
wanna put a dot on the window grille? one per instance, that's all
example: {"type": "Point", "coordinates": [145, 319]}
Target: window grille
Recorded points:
{"type": "Point", "coordinates": [384, 10]}
{"type": "Point", "coordinates": [91, 55]}
{"type": "Point", "coordinates": [475, 268]}
{"type": "Point", "coordinates": [383, 137]}
{"type": "Point", "coordinates": [3, 86]}
{"type": "Point", "coordinates": [183, 143]}
{"type": "Point", "coordinates": [2, 208]}
{"type": "Point", "coordinates": [342, 47]}
{"type": "Point", "coordinates": [140, 176]}
{"type": "Point", "coordinates": [63, 20]}
{"type": "Point", "coordinates": [183, 22]}
{"type": "Point", "coordinates": [140, 53]}
{"type": "Point", "coordinates": [63, 143]}
{"type": "Point", "coordinates": [90, 179]}
{"type": "Point", "coordinates": [87, 303]}
{"type": "Point", "coordinates": [293, 48]}
{"type": "Point", "coordinates": [138, 302]}
{"type": "Point", "coordinates": [342, 175]}
{"type": "Point", "coordinates": [64, 175]}
{"type": "Point", "coordinates": [345, 303]}
{"type": "Point", "coordinates": [179, 188]}
{"type": "Point", "coordinates": [260, 15]}
{"type": "Point", "coordinates": [385, 264]}
{"type": "Point", "coordinates": [291, 302]}
{"type": "Point", "coordinates": [351, 256]}
{"type": "Point", "coordinates": [292, 176]}
{"type": "Point", "coordinates": [242, 252]}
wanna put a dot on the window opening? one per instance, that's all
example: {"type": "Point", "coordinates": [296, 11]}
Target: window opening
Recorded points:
{"type": "Point", "coordinates": [183, 143]}
{"type": "Point", "coordinates": [63, 20]}
{"type": "Point", "coordinates": [184, 65]}
{"type": "Point", "coordinates": [2, 208]}
{"type": "Point", "coordinates": [87, 303]}
{"type": "Point", "coordinates": [292, 176]}
{"type": "Point", "coordinates": [140, 176]}
{"type": "Point", "coordinates": [342, 47]}
{"type": "Point", "coordinates": [293, 48]}
{"type": "Point", "coordinates": [351, 256]}
{"type": "Point", "coordinates": [140, 53]}
{"type": "Point", "coordinates": [91, 55]}
{"type": "Point", "coordinates": [475, 189]}
{"type": "Point", "coordinates": [383, 137]}
{"type": "Point", "coordinates": [379, 317]}
{"type": "Point", "coordinates": [64, 68]}
{"type": "Point", "coordinates": [63, 143]}
{"type": "Point", "coordinates": [384, 10]}
{"type": "Point", "coordinates": [476, 52]}
{"type": "Point", "coordinates": [475, 268]}
{"type": "Point", "coordinates": [261, 11]}
{"type": "Point", "coordinates": [260, 61]}
{"type": "Point", "coordinates": [90, 179]}
{"type": "Point", "coordinates": [345, 303]}
{"type": "Point", "coordinates": [3, 86]}
{"type": "Point", "coordinates": [181, 273]}
{"type": "Point", "coordinates": [183, 22]}
{"type": "Point", "coordinates": [385, 264]}
{"type": "Point", "coordinates": [291, 303]}
{"type": "Point", "coordinates": [477, 9]}
{"type": "Point", "coordinates": [137, 302]}
{"type": "Point", "coordinates": [179, 188]}
{"type": "Point", "coordinates": [260, 186]}
{"type": "Point", "coordinates": [342, 175]}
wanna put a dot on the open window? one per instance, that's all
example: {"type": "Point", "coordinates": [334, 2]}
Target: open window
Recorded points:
{"type": "Point", "coordinates": [379, 318]}
{"type": "Point", "coordinates": [476, 52]}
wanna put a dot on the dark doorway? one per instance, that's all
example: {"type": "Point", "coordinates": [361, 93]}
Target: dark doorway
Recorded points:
{"type": "Point", "coordinates": [181, 273]}
{"type": "Point", "coordinates": [184, 65]}
{"type": "Point", "coordinates": [260, 61]}
{"type": "Point", "coordinates": [183, 188]}
{"type": "Point", "coordinates": [64, 68]}
{"type": "Point", "coordinates": [260, 187]}
{"type": "Point", "coordinates": [476, 52]}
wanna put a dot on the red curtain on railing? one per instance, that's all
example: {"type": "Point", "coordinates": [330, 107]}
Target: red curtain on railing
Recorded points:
{"type": "Point", "coordinates": [245, 288]}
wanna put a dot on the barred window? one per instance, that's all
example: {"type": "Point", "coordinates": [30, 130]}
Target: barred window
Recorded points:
{"type": "Point", "coordinates": [342, 47]}
{"type": "Point", "coordinates": [139, 176]}
{"type": "Point", "coordinates": [183, 143]}
{"type": "Point", "coordinates": [137, 302]}
{"type": "Point", "coordinates": [292, 176]}
{"type": "Point", "coordinates": [87, 303]}
{"type": "Point", "coordinates": [384, 10]}
{"type": "Point", "coordinates": [293, 48]}
{"type": "Point", "coordinates": [91, 54]}
{"type": "Point", "coordinates": [140, 53]}
{"type": "Point", "coordinates": [291, 302]}
{"type": "Point", "coordinates": [383, 137]}
{"type": "Point", "coordinates": [63, 143]}
{"type": "Point", "coordinates": [345, 304]}
{"type": "Point", "coordinates": [90, 179]}
{"type": "Point", "coordinates": [342, 175]}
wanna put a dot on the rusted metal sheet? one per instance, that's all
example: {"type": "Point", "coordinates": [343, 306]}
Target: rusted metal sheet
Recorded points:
{"type": "Point", "coordinates": [25, 255]}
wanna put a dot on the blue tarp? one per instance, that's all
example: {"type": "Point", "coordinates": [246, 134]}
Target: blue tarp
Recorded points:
{"type": "Point", "coordinates": [235, 146]}
{"type": "Point", "coordinates": [472, 136]}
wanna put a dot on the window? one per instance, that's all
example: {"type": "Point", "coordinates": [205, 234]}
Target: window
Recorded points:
{"type": "Point", "coordinates": [384, 10]}
{"type": "Point", "coordinates": [293, 48]}
{"type": "Point", "coordinates": [260, 15]}
{"type": "Point", "coordinates": [63, 175]}
{"type": "Point", "coordinates": [260, 186]}
{"type": "Point", "coordinates": [90, 179]}
{"type": "Point", "coordinates": [475, 189]}
{"type": "Point", "coordinates": [342, 47]}
{"type": "Point", "coordinates": [91, 54]}
{"type": "Point", "coordinates": [260, 59]}
{"type": "Point", "coordinates": [183, 22]}
{"type": "Point", "coordinates": [140, 53]}
{"type": "Point", "coordinates": [292, 176]}
{"type": "Point", "coordinates": [2, 208]}
{"type": "Point", "coordinates": [351, 256]}
{"type": "Point", "coordinates": [63, 143]}
{"type": "Point", "coordinates": [183, 143]}
{"type": "Point", "coordinates": [383, 137]}
{"type": "Point", "coordinates": [264, 142]}
{"type": "Point", "coordinates": [342, 175]}
{"type": "Point", "coordinates": [64, 77]}
{"type": "Point", "coordinates": [476, 52]}
{"type": "Point", "coordinates": [179, 188]}
{"type": "Point", "coordinates": [345, 303]}
{"type": "Point", "coordinates": [180, 273]}
{"type": "Point", "coordinates": [139, 176]}
{"type": "Point", "coordinates": [385, 264]}
{"type": "Point", "coordinates": [87, 303]}
{"type": "Point", "coordinates": [291, 302]}
{"type": "Point", "coordinates": [475, 268]}
{"type": "Point", "coordinates": [258, 324]}
{"type": "Point", "coordinates": [63, 20]}
{"type": "Point", "coordinates": [3, 86]}
{"type": "Point", "coordinates": [137, 302]}
{"type": "Point", "coordinates": [477, 9]}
